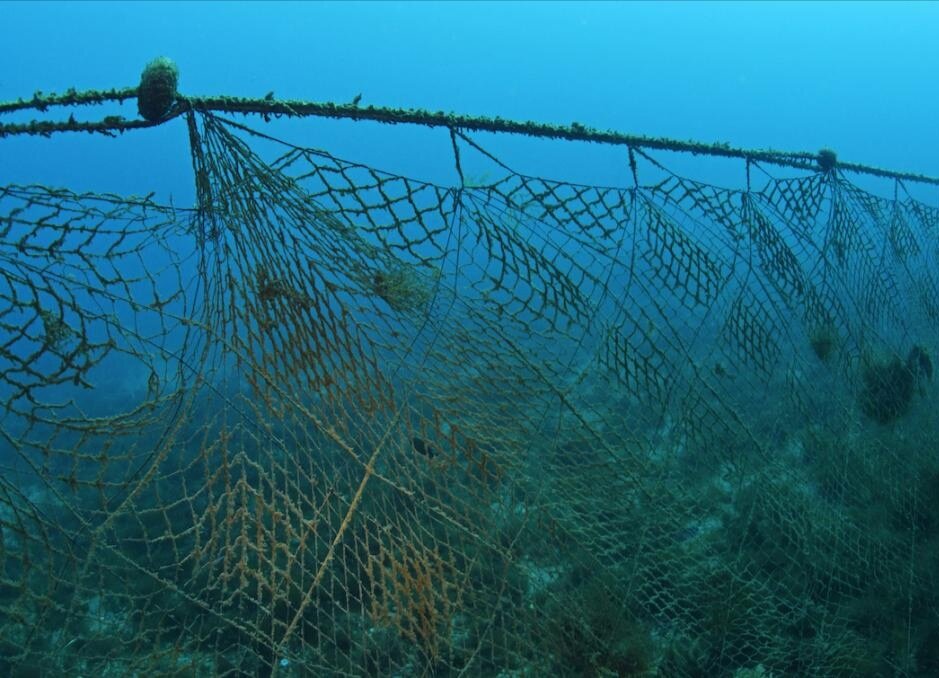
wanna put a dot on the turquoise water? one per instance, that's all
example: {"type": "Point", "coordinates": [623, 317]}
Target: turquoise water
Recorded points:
{"type": "Point", "coordinates": [849, 76]}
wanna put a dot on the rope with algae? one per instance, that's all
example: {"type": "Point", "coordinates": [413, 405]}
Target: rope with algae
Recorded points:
{"type": "Point", "coordinates": [159, 102]}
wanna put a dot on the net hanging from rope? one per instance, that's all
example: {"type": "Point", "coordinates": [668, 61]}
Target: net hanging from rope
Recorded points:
{"type": "Point", "coordinates": [331, 420]}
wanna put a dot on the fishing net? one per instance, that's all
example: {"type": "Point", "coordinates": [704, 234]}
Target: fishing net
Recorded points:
{"type": "Point", "coordinates": [330, 420]}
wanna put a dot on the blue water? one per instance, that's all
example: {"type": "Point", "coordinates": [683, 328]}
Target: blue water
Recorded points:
{"type": "Point", "coordinates": [855, 77]}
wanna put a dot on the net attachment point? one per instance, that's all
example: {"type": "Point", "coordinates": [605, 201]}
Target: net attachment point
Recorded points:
{"type": "Point", "coordinates": [157, 92]}
{"type": "Point", "coordinates": [827, 160]}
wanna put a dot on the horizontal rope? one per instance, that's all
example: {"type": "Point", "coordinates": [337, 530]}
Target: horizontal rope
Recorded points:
{"type": "Point", "coordinates": [269, 107]}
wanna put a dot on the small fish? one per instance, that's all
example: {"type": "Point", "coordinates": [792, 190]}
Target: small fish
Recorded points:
{"type": "Point", "coordinates": [421, 446]}
{"type": "Point", "coordinates": [919, 363]}
{"type": "Point", "coordinates": [153, 385]}
{"type": "Point", "coordinates": [269, 96]}
{"type": "Point", "coordinates": [356, 99]}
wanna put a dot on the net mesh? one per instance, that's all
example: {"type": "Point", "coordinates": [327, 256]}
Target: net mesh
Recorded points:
{"type": "Point", "coordinates": [335, 421]}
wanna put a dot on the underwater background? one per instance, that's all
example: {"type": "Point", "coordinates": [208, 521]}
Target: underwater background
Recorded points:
{"type": "Point", "coordinates": [767, 75]}
{"type": "Point", "coordinates": [312, 395]}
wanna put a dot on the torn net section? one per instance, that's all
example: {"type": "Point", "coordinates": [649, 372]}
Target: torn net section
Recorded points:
{"type": "Point", "coordinates": [334, 421]}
